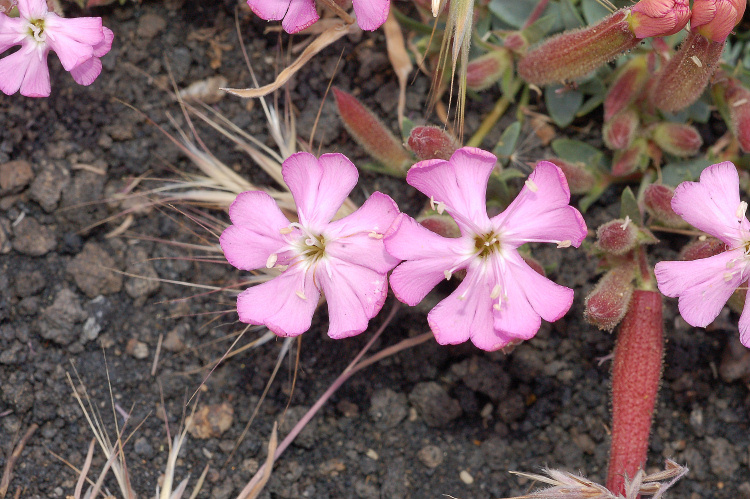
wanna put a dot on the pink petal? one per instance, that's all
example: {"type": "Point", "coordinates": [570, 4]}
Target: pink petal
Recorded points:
{"type": "Point", "coordinates": [428, 256]}
{"type": "Point", "coordinates": [465, 313]}
{"type": "Point", "coordinates": [548, 299]}
{"type": "Point", "coordinates": [358, 238]}
{"type": "Point", "coordinates": [319, 186]}
{"type": "Point", "coordinates": [540, 212]}
{"type": "Point", "coordinates": [87, 72]}
{"type": "Point", "coordinates": [73, 40]}
{"type": "Point", "coordinates": [270, 10]}
{"type": "Point", "coordinates": [371, 14]}
{"type": "Point", "coordinates": [460, 183]}
{"type": "Point", "coordinates": [354, 294]}
{"type": "Point", "coordinates": [711, 204]}
{"type": "Point", "coordinates": [255, 234]}
{"type": "Point", "coordinates": [12, 71]}
{"type": "Point", "coordinates": [32, 9]}
{"type": "Point", "coordinates": [10, 32]}
{"type": "Point", "coordinates": [703, 286]}
{"type": "Point", "coordinates": [102, 48]}
{"type": "Point", "coordinates": [301, 14]}
{"type": "Point", "coordinates": [36, 80]}
{"type": "Point", "coordinates": [516, 318]}
{"type": "Point", "coordinates": [744, 325]}
{"type": "Point", "coordinates": [279, 304]}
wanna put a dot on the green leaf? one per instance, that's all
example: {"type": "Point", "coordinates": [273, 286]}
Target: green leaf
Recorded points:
{"type": "Point", "coordinates": [594, 11]}
{"type": "Point", "coordinates": [539, 29]}
{"type": "Point", "coordinates": [562, 106]}
{"type": "Point", "coordinates": [576, 151]}
{"type": "Point", "coordinates": [507, 143]}
{"type": "Point", "coordinates": [408, 125]}
{"type": "Point", "coordinates": [629, 207]}
{"type": "Point", "coordinates": [590, 104]}
{"type": "Point", "coordinates": [514, 13]}
{"type": "Point", "coordinates": [675, 173]}
{"type": "Point", "coordinates": [569, 15]}
{"type": "Point", "coordinates": [699, 111]}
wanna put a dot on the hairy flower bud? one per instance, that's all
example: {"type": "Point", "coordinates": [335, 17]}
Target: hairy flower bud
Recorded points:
{"type": "Point", "coordinates": [606, 305]}
{"type": "Point", "coordinates": [488, 69]}
{"type": "Point", "coordinates": [715, 19]}
{"type": "Point", "coordinates": [619, 131]}
{"type": "Point", "coordinates": [657, 199]}
{"type": "Point", "coordinates": [431, 142]}
{"type": "Point", "coordinates": [617, 236]}
{"type": "Point", "coordinates": [677, 139]}
{"type": "Point", "coordinates": [580, 179]}
{"type": "Point", "coordinates": [629, 160]}
{"type": "Point", "coordinates": [737, 99]}
{"type": "Point", "coordinates": [703, 247]}
{"type": "Point", "coordinates": [659, 17]}
{"type": "Point", "coordinates": [685, 76]}
{"type": "Point", "coordinates": [443, 225]}
{"type": "Point", "coordinates": [573, 54]}
{"type": "Point", "coordinates": [627, 86]}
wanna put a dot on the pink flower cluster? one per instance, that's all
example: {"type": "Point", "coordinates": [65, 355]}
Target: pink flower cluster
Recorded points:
{"type": "Point", "coordinates": [79, 43]}
{"type": "Point", "coordinates": [501, 299]}
{"type": "Point", "coordinates": [296, 15]}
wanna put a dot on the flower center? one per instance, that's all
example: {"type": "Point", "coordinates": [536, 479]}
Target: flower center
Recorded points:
{"type": "Point", "coordinates": [487, 244]}
{"type": "Point", "coordinates": [36, 30]}
{"type": "Point", "coordinates": [313, 248]}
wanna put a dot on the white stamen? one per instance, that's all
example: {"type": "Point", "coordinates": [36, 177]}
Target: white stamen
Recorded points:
{"type": "Point", "coordinates": [440, 207]}
{"type": "Point", "coordinates": [301, 295]}
{"type": "Point", "coordinates": [448, 274]}
{"type": "Point", "coordinates": [741, 210]}
{"type": "Point", "coordinates": [271, 260]}
{"type": "Point", "coordinates": [531, 185]}
{"type": "Point", "coordinates": [564, 244]}
{"type": "Point", "coordinates": [696, 61]}
{"type": "Point", "coordinates": [432, 203]}
{"type": "Point", "coordinates": [626, 222]}
{"type": "Point", "coordinates": [310, 241]}
{"type": "Point", "coordinates": [739, 103]}
{"type": "Point", "coordinates": [495, 291]}
{"type": "Point", "coordinates": [286, 230]}
{"type": "Point", "coordinates": [730, 263]}
{"type": "Point", "coordinates": [375, 235]}
{"type": "Point", "coordinates": [496, 306]}
{"type": "Point", "coordinates": [702, 238]}
{"type": "Point", "coordinates": [435, 8]}
{"type": "Point", "coordinates": [727, 276]}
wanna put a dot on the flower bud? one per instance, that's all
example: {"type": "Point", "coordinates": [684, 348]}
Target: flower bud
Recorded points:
{"type": "Point", "coordinates": [703, 247]}
{"type": "Point", "coordinates": [627, 86]}
{"type": "Point", "coordinates": [685, 76]}
{"type": "Point", "coordinates": [607, 304]}
{"type": "Point", "coordinates": [629, 160]}
{"type": "Point", "coordinates": [715, 19]}
{"type": "Point", "coordinates": [619, 131]}
{"type": "Point", "coordinates": [443, 225]}
{"type": "Point", "coordinates": [516, 41]}
{"type": "Point", "coordinates": [573, 54]}
{"type": "Point", "coordinates": [431, 142]}
{"type": "Point", "coordinates": [657, 199]}
{"type": "Point", "coordinates": [737, 98]}
{"type": "Point", "coordinates": [488, 69]}
{"type": "Point", "coordinates": [580, 179]}
{"type": "Point", "coordinates": [659, 17]}
{"type": "Point", "coordinates": [617, 236]}
{"type": "Point", "coordinates": [677, 139]}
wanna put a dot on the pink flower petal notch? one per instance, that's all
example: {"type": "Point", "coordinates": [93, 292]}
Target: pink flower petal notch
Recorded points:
{"type": "Point", "coordinates": [502, 299]}
{"type": "Point", "coordinates": [78, 43]}
{"type": "Point", "coordinates": [296, 15]}
{"type": "Point", "coordinates": [703, 286]}
{"type": "Point", "coordinates": [344, 260]}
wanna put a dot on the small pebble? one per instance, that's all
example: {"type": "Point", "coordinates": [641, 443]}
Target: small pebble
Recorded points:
{"type": "Point", "coordinates": [466, 477]}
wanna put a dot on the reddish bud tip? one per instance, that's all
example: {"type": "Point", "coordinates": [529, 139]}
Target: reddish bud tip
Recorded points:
{"type": "Point", "coordinates": [535, 265]}
{"type": "Point", "coordinates": [659, 17]}
{"type": "Point", "coordinates": [631, 159]}
{"type": "Point", "coordinates": [488, 69]}
{"type": "Point", "coordinates": [715, 19]}
{"type": "Point", "coordinates": [702, 248]}
{"type": "Point", "coordinates": [657, 199]}
{"type": "Point", "coordinates": [431, 142]}
{"type": "Point", "coordinates": [580, 179]}
{"type": "Point", "coordinates": [576, 53]}
{"type": "Point", "coordinates": [677, 139]}
{"type": "Point", "coordinates": [627, 86]}
{"type": "Point", "coordinates": [443, 225]}
{"type": "Point", "coordinates": [738, 103]}
{"type": "Point", "coordinates": [617, 237]}
{"type": "Point", "coordinates": [619, 131]}
{"type": "Point", "coordinates": [607, 304]}
{"type": "Point", "coordinates": [516, 42]}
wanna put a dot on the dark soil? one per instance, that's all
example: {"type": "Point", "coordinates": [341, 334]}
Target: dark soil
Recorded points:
{"type": "Point", "coordinates": [429, 421]}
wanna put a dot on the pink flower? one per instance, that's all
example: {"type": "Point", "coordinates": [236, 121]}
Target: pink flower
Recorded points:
{"type": "Point", "coordinates": [703, 286]}
{"type": "Point", "coordinates": [345, 260]}
{"type": "Point", "coordinates": [78, 43]}
{"type": "Point", "coordinates": [501, 299]}
{"type": "Point", "coordinates": [659, 17]}
{"type": "Point", "coordinates": [715, 19]}
{"type": "Point", "coordinates": [297, 15]}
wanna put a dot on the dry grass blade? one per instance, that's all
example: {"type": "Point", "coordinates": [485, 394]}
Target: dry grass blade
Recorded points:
{"type": "Point", "coordinates": [325, 39]}
{"type": "Point", "coordinates": [84, 470]}
{"type": "Point", "coordinates": [8, 471]}
{"type": "Point", "coordinates": [255, 491]}
{"type": "Point", "coordinates": [400, 60]}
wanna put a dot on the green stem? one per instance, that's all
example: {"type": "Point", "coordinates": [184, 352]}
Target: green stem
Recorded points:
{"type": "Point", "coordinates": [492, 118]}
